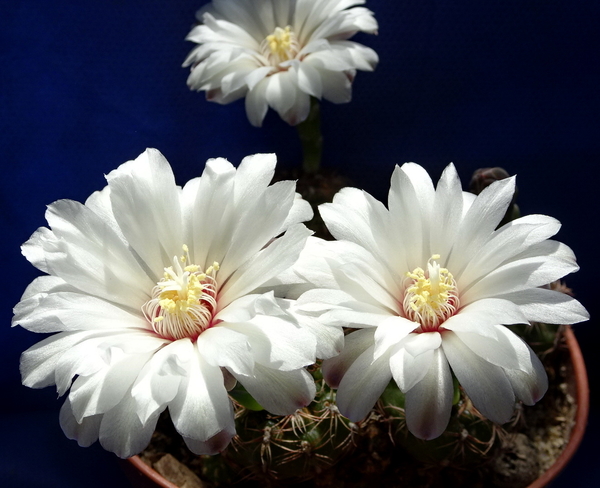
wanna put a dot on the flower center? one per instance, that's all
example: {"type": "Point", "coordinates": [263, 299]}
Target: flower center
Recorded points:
{"type": "Point", "coordinates": [184, 300]}
{"type": "Point", "coordinates": [431, 296]}
{"type": "Point", "coordinates": [282, 45]}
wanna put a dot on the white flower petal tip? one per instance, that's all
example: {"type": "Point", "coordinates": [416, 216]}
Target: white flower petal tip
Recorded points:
{"type": "Point", "coordinates": [160, 296]}
{"type": "Point", "coordinates": [362, 384]}
{"type": "Point", "coordinates": [431, 283]}
{"type": "Point", "coordinates": [429, 402]}
{"type": "Point", "coordinates": [279, 54]}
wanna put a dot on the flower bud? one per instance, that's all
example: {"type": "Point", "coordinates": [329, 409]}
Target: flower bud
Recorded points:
{"type": "Point", "coordinates": [484, 177]}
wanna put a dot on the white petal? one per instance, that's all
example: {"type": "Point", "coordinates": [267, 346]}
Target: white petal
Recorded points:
{"type": "Point", "coordinates": [236, 34]}
{"type": "Point", "coordinates": [529, 386]}
{"type": "Point", "coordinates": [256, 103]}
{"type": "Point", "coordinates": [222, 346]}
{"type": "Point", "coordinates": [356, 216]}
{"type": "Point", "coordinates": [363, 58]}
{"type": "Point", "coordinates": [408, 370]}
{"type": "Point", "coordinates": [368, 283]}
{"type": "Point", "coordinates": [446, 217]}
{"type": "Point", "coordinates": [38, 289]}
{"type": "Point", "coordinates": [279, 392]}
{"type": "Point", "coordinates": [337, 86]}
{"type": "Point", "coordinates": [507, 242]}
{"type": "Point", "coordinates": [299, 110]}
{"type": "Point", "coordinates": [548, 306]}
{"type": "Point", "coordinates": [481, 219]}
{"type": "Point", "coordinates": [320, 259]}
{"type": "Point", "coordinates": [330, 339]}
{"type": "Point", "coordinates": [355, 344]}
{"type": "Point", "coordinates": [242, 309]}
{"type": "Point", "coordinates": [258, 75]}
{"type": "Point", "coordinates": [301, 211]}
{"type": "Point", "coordinates": [323, 299]}
{"type": "Point", "coordinates": [420, 343]}
{"type": "Point", "coordinates": [38, 363]}
{"type": "Point", "coordinates": [362, 385]}
{"type": "Point", "coordinates": [421, 182]}
{"type": "Point", "coordinates": [233, 84]}
{"type": "Point", "coordinates": [100, 392]}
{"type": "Point", "coordinates": [90, 256]}
{"type": "Point", "coordinates": [207, 200]}
{"type": "Point", "coordinates": [33, 249]}
{"type": "Point", "coordinates": [390, 332]}
{"type": "Point", "coordinates": [309, 80]}
{"type": "Point", "coordinates": [410, 198]}
{"type": "Point", "coordinates": [201, 408]}
{"type": "Point", "coordinates": [85, 358]}
{"type": "Point", "coordinates": [505, 349]}
{"type": "Point", "coordinates": [86, 432]}
{"type": "Point", "coordinates": [539, 265]}
{"type": "Point", "coordinates": [330, 60]}
{"type": "Point", "coordinates": [268, 263]}
{"type": "Point", "coordinates": [281, 91]}
{"type": "Point", "coordinates": [121, 430]}
{"type": "Point", "coordinates": [486, 384]}
{"type": "Point", "coordinates": [68, 311]}
{"type": "Point", "coordinates": [214, 445]}
{"type": "Point", "coordinates": [253, 177]}
{"type": "Point", "coordinates": [99, 203]}
{"type": "Point", "coordinates": [354, 317]}
{"type": "Point", "coordinates": [478, 316]}
{"type": "Point", "coordinates": [277, 343]}
{"type": "Point", "coordinates": [34, 294]}
{"type": "Point", "coordinates": [428, 404]}
{"type": "Point", "coordinates": [159, 380]}
{"type": "Point", "coordinates": [468, 199]}
{"type": "Point", "coordinates": [255, 220]}
{"type": "Point", "coordinates": [411, 358]}
{"type": "Point", "coordinates": [145, 202]}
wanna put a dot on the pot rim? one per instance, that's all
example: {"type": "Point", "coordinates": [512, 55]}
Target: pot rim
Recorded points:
{"type": "Point", "coordinates": [135, 463]}
{"type": "Point", "coordinates": [581, 418]}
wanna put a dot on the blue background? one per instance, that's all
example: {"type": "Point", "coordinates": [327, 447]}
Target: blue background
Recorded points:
{"type": "Point", "coordinates": [86, 85]}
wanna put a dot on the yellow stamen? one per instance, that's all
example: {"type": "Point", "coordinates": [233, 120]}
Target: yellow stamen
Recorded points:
{"type": "Point", "coordinates": [280, 46]}
{"type": "Point", "coordinates": [431, 297]}
{"type": "Point", "coordinates": [183, 302]}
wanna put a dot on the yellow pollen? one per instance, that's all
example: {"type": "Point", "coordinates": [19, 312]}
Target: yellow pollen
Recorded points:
{"type": "Point", "coordinates": [184, 300]}
{"type": "Point", "coordinates": [280, 46]}
{"type": "Point", "coordinates": [430, 297]}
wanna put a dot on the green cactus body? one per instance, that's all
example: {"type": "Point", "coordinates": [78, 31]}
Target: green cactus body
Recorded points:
{"type": "Point", "coordinates": [298, 450]}
{"type": "Point", "coordinates": [469, 439]}
{"type": "Point", "coordinates": [292, 447]}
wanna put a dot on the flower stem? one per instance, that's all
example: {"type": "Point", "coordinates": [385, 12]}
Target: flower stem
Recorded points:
{"type": "Point", "coordinates": [311, 139]}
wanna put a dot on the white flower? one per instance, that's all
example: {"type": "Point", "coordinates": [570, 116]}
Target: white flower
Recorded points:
{"type": "Point", "coordinates": [151, 291]}
{"type": "Point", "coordinates": [278, 53]}
{"type": "Point", "coordinates": [431, 284]}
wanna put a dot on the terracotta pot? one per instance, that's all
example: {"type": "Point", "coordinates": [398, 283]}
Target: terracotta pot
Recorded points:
{"type": "Point", "coordinates": [581, 393]}
{"type": "Point", "coordinates": [143, 476]}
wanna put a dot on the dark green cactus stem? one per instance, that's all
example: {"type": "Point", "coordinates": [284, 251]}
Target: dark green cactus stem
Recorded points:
{"type": "Point", "coordinates": [311, 139]}
{"type": "Point", "coordinates": [271, 448]}
{"type": "Point", "coordinates": [468, 440]}
{"type": "Point", "coordinates": [542, 338]}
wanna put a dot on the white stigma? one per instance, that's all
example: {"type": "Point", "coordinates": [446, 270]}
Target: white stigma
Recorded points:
{"type": "Point", "coordinates": [430, 297]}
{"type": "Point", "coordinates": [184, 301]}
{"type": "Point", "coordinates": [282, 45]}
